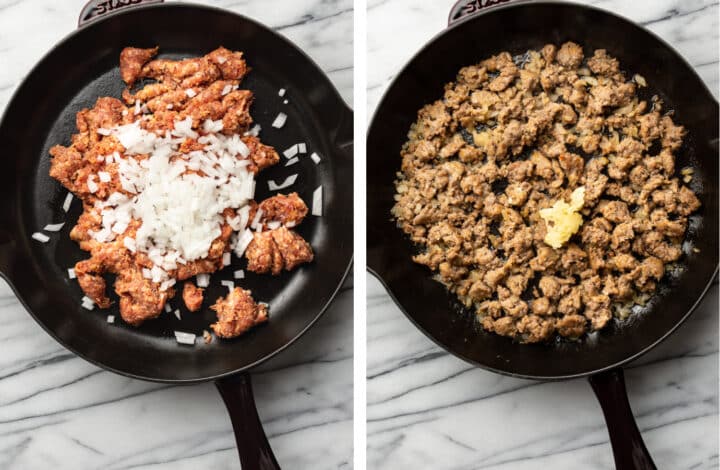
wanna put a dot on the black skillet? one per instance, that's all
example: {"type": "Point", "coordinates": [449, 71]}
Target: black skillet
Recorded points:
{"type": "Point", "coordinates": [472, 36]}
{"type": "Point", "coordinates": [84, 66]}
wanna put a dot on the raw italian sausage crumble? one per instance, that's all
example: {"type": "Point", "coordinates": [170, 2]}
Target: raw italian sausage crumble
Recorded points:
{"type": "Point", "coordinates": [167, 180]}
{"type": "Point", "coordinates": [543, 192]}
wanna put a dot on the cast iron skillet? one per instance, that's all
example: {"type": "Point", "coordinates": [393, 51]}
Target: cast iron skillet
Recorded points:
{"type": "Point", "coordinates": [516, 28]}
{"type": "Point", "coordinates": [84, 66]}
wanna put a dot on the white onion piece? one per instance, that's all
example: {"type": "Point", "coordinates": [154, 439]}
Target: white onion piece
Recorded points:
{"type": "Point", "coordinates": [190, 92]}
{"type": "Point", "coordinates": [71, 273]}
{"type": "Point", "coordinates": [317, 202]}
{"type": "Point", "coordinates": [292, 161]}
{"type": "Point", "coordinates": [239, 274]}
{"type": "Point", "coordinates": [87, 302]}
{"type": "Point", "coordinates": [184, 338]}
{"type": "Point", "coordinates": [229, 284]}
{"type": "Point", "coordinates": [279, 121]}
{"type": "Point", "coordinates": [273, 224]}
{"type": "Point", "coordinates": [285, 101]}
{"type": "Point", "coordinates": [243, 241]}
{"type": "Point", "coordinates": [302, 148]}
{"type": "Point", "coordinates": [54, 227]}
{"type": "Point", "coordinates": [168, 308]}
{"type": "Point", "coordinates": [91, 184]}
{"type": "Point", "coordinates": [103, 131]}
{"type": "Point", "coordinates": [254, 130]}
{"type": "Point", "coordinates": [130, 244]}
{"type": "Point", "coordinates": [104, 176]}
{"type": "Point", "coordinates": [41, 237]}
{"type": "Point", "coordinates": [291, 152]}
{"type": "Point", "coordinates": [202, 280]}
{"type": "Point", "coordinates": [227, 89]}
{"type": "Point", "coordinates": [177, 314]}
{"type": "Point", "coordinates": [226, 259]}
{"type": "Point", "coordinates": [111, 318]}
{"type": "Point", "coordinates": [281, 92]}
{"type": "Point", "coordinates": [315, 157]}
{"type": "Point", "coordinates": [256, 219]}
{"type": "Point", "coordinates": [289, 181]}
{"type": "Point", "coordinates": [67, 202]}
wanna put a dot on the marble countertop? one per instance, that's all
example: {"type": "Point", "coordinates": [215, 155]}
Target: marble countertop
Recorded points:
{"type": "Point", "coordinates": [430, 410]}
{"type": "Point", "coordinates": [58, 411]}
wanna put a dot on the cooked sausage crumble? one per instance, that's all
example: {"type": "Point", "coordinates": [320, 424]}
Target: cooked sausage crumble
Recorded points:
{"type": "Point", "coordinates": [513, 135]}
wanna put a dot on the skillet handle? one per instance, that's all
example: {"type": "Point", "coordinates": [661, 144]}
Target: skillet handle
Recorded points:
{"type": "Point", "coordinates": [253, 446]}
{"type": "Point", "coordinates": [628, 447]}
{"type": "Point", "coordinates": [94, 9]}
{"type": "Point", "coordinates": [464, 8]}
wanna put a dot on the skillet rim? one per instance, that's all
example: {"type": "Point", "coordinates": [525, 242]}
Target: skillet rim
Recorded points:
{"type": "Point", "coordinates": [338, 146]}
{"type": "Point", "coordinates": [428, 44]}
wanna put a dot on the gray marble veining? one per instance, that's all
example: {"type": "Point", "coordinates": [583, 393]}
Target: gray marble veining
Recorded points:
{"type": "Point", "coordinates": [60, 412]}
{"type": "Point", "coordinates": [429, 410]}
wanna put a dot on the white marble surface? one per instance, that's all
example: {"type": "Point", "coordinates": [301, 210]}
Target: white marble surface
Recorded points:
{"type": "Point", "coordinates": [59, 412]}
{"type": "Point", "coordinates": [429, 410]}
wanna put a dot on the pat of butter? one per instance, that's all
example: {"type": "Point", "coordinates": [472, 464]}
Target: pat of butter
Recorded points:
{"type": "Point", "coordinates": [562, 219]}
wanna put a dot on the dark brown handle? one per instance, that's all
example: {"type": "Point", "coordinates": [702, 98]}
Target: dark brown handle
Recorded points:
{"type": "Point", "coordinates": [627, 443]}
{"type": "Point", "coordinates": [95, 9]}
{"type": "Point", "coordinates": [253, 446]}
{"type": "Point", "coordinates": [464, 8]}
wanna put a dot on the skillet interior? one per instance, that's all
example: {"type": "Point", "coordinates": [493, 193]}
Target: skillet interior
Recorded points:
{"type": "Point", "coordinates": [516, 28]}
{"type": "Point", "coordinates": [42, 113]}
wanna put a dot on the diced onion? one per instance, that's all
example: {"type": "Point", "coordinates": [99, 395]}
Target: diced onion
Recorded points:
{"type": "Point", "coordinates": [289, 181]}
{"type": "Point", "coordinates": [41, 237]}
{"type": "Point", "coordinates": [130, 244]}
{"type": "Point", "coordinates": [111, 318]}
{"type": "Point", "coordinates": [184, 338]}
{"type": "Point", "coordinates": [226, 259]}
{"type": "Point", "coordinates": [168, 308]}
{"type": "Point", "coordinates": [302, 148]}
{"type": "Point", "coordinates": [202, 280]}
{"type": "Point", "coordinates": [226, 90]}
{"type": "Point", "coordinates": [281, 92]}
{"type": "Point", "coordinates": [71, 273]}
{"type": "Point", "coordinates": [239, 274]}
{"type": "Point", "coordinates": [103, 131]}
{"type": "Point", "coordinates": [229, 284]}
{"type": "Point", "coordinates": [190, 92]}
{"type": "Point", "coordinates": [243, 241]}
{"type": "Point", "coordinates": [274, 224]}
{"type": "Point", "coordinates": [291, 152]}
{"type": "Point", "coordinates": [256, 219]}
{"type": "Point", "coordinates": [285, 101]}
{"type": "Point", "coordinates": [91, 184]}
{"type": "Point", "coordinates": [254, 130]}
{"type": "Point", "coordinates": [104, 176]}
{"type": "Point", "coordinates": [279, 121]}
{"type": "Point", "coordinates": [177, 314]}
{"type": "Point", "coordinates": [317, 202]}
{"type": "Point", "coordinates": [88, 303]}
{"type": "Point", "coordinates": [54, 227]}
{"type": "Point", "coordinates": [67, 202]}
{"type": "Point", "coordinates": [292, 161]}
{"type": "Point", "coordinates": [315, 157]}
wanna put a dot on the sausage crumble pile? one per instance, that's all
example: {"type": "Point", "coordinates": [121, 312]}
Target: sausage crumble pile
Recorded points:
{"type": "Point", "coordinates": [514, 135]}
{"type": "Point", "coordinates": [166, 177]}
